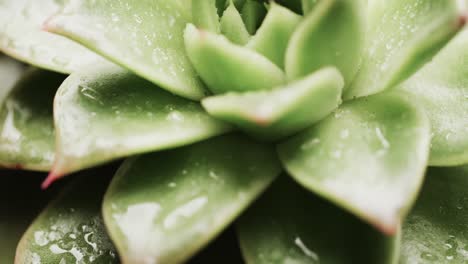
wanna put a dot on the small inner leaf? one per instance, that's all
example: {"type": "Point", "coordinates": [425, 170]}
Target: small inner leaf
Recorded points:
{"type": "Point", "coordinates": [368, 157]}
{"type": "Point", "coordinates": [205, 15]}
{"type": "Point", "coordinates": [253, 13]}
{"type": "Point", "coordinates": [227, 67]}
{"type": "Point", "coordinates": [284, 110]}
{"type": "Point", "coordinates": [164, 207]}
{"type": "Point", "coordinates": [10, 72]}
{"type": "Point", "coordinates": [233, 27]}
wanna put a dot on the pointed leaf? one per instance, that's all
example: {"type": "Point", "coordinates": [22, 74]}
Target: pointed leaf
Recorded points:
{"type": "Point", "coordinates": [145, 36]}
{"type": "Point", "coordinates": [27, 138]}
{"type": "Point", "coordinates": [253, 13]}
{"type": "Point", "coordinates": [22, 37]}
{"type": "Point", "coordinates": [222, 64]}
{"type": "Point", "coordinates": [369, 157]}
{"type": "Point", "coordinates": [273, 36]}
{"type": "Point", "coordinates": [70, 229]}
{"type": "Point", "coordinates": [205, 15]}
{"type": "Point", "coordinates": [442, 88]}
{"type": "Point", "coordinates": [106, 113]}
{"type": "Point", "coordinates": [233, 27]}
{"type": "Point", "coordinates": [331, 34]}
{"type": "Point", "coordinates": [290, 225]}
{"type": "Point", "coordinates": [284, 110]}
{"type": "Point", "coordinates": [436, 230]}
{"type": "Point", "coordinates": [10, 72]}
{"type": "Point", "coordinates": [401, 37]}
{"type": "Point", "coordinates": [164, 207]}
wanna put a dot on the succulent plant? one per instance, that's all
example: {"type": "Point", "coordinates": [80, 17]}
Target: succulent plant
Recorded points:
{"type": "Point", "coordinates": [230, 131]}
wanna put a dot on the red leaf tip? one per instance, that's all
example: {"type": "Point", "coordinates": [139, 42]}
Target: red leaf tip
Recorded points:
{"type": "Point", "coordinates": [51, 178]}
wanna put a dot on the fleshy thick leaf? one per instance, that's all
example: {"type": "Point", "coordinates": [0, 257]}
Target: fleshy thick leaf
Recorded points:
{"type": "Point", "coordinates": [70, 229]}
{"type": "Point", "coordinates": [308, 5]}
{"type": "Point", "coordinates": [163, 207]}
{"type": "Point", "coordinates": [10, 72]}
{"type": "Point", "coordinates": [226, 67]}
{"type": "Point", "coordinates": [26, 122]}
{"type": "Point", "coordinates": [233, 27]}
{"type": "Point", "coordinates": [369, 158]}
{"type": "Point", "coordinates": [401, 37]}
{"type": "Point", "coordinates": [21, 36]}
{"type": "Point", "coordinates": [290, 225]}
{"type": "Point", "coordinates": [205, 15]}
{"type": "Point", "coordinates": [253, 13]}
{"type": "Point", "coordinates": [273, 36]}
{"type": "Point", "coordinates": [442, 88]}
{"type": "Point", "coordinates": [284, 110]}
{"type": "Point", "coordinates": [146, 36]}
{"type": "Point", "coordinates": [331, 34]}
{"type": "Point", "coordinates": [436, 230]}
{"type": "Point", "coordinates": [107, 113]}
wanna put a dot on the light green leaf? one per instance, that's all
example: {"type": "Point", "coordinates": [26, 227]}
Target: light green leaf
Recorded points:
{"type": "Point", "coordinates": [22, 37]}
{"type": "Point", "coordinates": [106, 113]}
{"type": "Point", "coordinates": [308, 5]}
{"type": "Point", "coordinates": [70, 229]}
{"type": "Point", "coordinates": [233, 27]}
{"type": "Point", "coordinates": [271, 39]}
{"type": "Point", "coordinates": [164, 207]}
{"type": "Point", "coordinates": [26, 122]}
{"type": "Point", "coordinates": [436, 230]}
{"type": "Point", "coordinates": [401, 37]}
{"type": "Point", "coordinates": [146, 36]}
{"type": "Point", "coordinates": [10, 72]}
{"type": "Point", "coordinates": [290, 225]}
{"type": "Point", "coordinates": [284, 110]}
{"type": "Point", "coordinates": [369, 157]}
{"type": "Point", "coordinates": [222, 64]}
{"type": "Point", "coordinates": [331, 34]}
{"type": "Point", "coordinates": [442, 88]}
{"type": "Point", "coordinates": [253, 13]}
{"type": "Point", "coordinates": [205, 15]}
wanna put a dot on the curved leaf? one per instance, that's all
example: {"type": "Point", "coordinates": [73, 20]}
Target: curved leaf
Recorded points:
{"type": "Point", "coordinates": [401, 37]}
{"type": "Point", "coordinates": [233, 27]}
{"type": "Point", "coordinates": [442, 88]}
{"type": "Point", "coordinates": [289, 225]}
{"type": "Point", "coordinates": [164, 207]}
{"type": "Point", "coordinates": [331, 34]}
{"type": "Point", "coordinates": [308, 5]}
{"type": "Point", "coordinates": [436, 230]}
{"type": "Point", "coordinates": [21, 36]}
{"type": "Point", "coordinates": [369, 158]}
{"type": "Point", "coordinates": [107, 113]}
{"type": "Point", "coordinates": [70, 229]}
{"type": "Point", "coordinates": [26, 122]}
{"type": "Point", "coordinates": [272, 38]}
{"type": "Point", "coordinates": [222, 64]}
{"type": "Point", "coordinates": [10, 72]}
{"type": "Point", "coordinates": [145, 36]}
{"type": "Point", "coordinates": [205, 15]}
{"type": "Point", "coordinates": [284, 110]}
{"type": "Point", "coordinates": [253, 13]}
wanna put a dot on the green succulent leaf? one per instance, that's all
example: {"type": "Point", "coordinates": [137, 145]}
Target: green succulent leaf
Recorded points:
{"type": "Point", "coordinates": [205, 15]}
{"type": "Point", "coordinates": [308, 5]}
{"type": "Point", "coordinates": [369, 157]}
{"type": "Point", "coordinates": [442, 88]}
{"type": "Point", "coordinates": [70, 229]}
{"type": "Point", "coordinates": [401, 37]}
{"type": "Point", "coordinates": [145, 36]}
{"type": "Point", "coordinates": [253, 13]}
{"type": "Point", "coordinates": [331, 34]}
{"type": "Point", "coordinates": [106, 113]}
{"type": "Point", "coordinates": [10, 72]}
{"type": "Point", "coordinates": [22, 37]}
{"type": "Point", "coordinates": [290, 225]}
{"type": "Point", "coordinates": [164, 207]}
{"type": "Point", "coordinates": [26, 122]}
{"type": "Point", "coordinates": [436, 230]}
{"type": "Point", "coordinates": [221, 64]}
{"type": "Point", "coordinates": [233, 27]}
{"type": "Point", "coordinates": [272, 38]}
{"type": "Point", "coordinates": [284, 110]}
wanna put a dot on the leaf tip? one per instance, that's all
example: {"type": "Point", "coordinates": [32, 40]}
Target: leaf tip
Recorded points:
{"type": "Point", "coordinates": [51, 178]}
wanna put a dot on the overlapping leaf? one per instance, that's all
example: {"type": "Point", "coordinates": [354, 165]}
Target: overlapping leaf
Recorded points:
{"type": "Point", "coordinates": [163, 207]}
{"type": "Point", "coordinates": [232, 25]}
{"type": "Point", "coordinates": [369, 157]}
{"type": "Point", "coordinates": [10, 72]}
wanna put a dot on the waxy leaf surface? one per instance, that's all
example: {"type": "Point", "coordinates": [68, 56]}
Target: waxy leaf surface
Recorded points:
{"type": "Point", "coordinates": [226, 67]}
{"type": "Point", "coordinates": [145, 36]}
{"type": "Point", "coordinates": [107, 113]}
{"type": "Point", "coordinates": [369, 157]}
{"type": "Point", "coordinates": [442, 88]}
{"type": "Point", "coordinates": [436, 231]}
{"type": "Point", "coordinates": [284, 110]}
{"type": "Point", "coordinates": [290, 225]}
{"type": "Point", "coordinates": [70, 229]}
{"type": "Point", "coordinates": [331, 34]}
{"type": "Point", "coordinates": [233, 27]}
{"type": "Point", "coordinates": [163, 207]}
{"type": "Point", "coordinates": [22, 37]}
{"type": "Point", "coordinates": [401, 37]}
{"type": "Point", "coordinates": [205, 15]}
{"type": "Point", "coordinates": [27, 138]}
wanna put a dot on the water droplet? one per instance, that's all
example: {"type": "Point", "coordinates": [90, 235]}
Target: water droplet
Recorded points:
{"type": "Point", "coordinates": [300, 244]}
